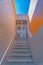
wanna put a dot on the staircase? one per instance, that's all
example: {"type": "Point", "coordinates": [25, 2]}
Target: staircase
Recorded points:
{"type": "Point", "coordinates": [19, 53]}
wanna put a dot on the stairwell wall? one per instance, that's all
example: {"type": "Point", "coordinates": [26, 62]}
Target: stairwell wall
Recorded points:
{"type": "Point", "coordinates": [7, 24]}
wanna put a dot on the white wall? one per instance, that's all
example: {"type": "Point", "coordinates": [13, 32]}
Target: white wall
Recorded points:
{"type": "Point", "coordinates": [7, 24]}
{"type": "Point", "coordinates": [36, 44]}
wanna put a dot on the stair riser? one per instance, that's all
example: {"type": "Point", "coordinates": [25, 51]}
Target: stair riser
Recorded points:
{"type": "Point", "coordinates": [21, 47]}
{"type": "Point", "coordinates": [20, 50]}
{"type": "Point", "coordinates": [20, 55]}
{"type": "Point", "coordinates": [20, 63]}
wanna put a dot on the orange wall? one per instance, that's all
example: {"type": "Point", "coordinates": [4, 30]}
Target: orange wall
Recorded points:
{"type": "Point", "coordinates": [37, 19]}
{"type": "Point", "coordinates": [35, 24]}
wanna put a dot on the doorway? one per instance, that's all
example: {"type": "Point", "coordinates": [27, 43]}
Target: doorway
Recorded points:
{"type": "Point", "coordinates": [21, 30]}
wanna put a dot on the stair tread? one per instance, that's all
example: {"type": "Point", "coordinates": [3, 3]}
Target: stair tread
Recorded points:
{"type": "Point", "coordinates": [20, 63]}
{"type": "Point", "coordinates": [20, 46]}
{"type": "Point", "coordinates": [20, 60]}
{"type": "Point", "coordinates": [21, 42]}
{"type": "Point", "coordinates": [20, 49]}
{"type": "Point", "coordinates": [20, 57]}
{"type": "Point", "coordinates": [21, 54]}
